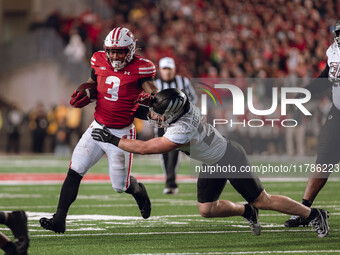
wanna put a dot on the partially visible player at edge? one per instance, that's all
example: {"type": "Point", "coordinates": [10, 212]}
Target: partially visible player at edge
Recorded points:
{"type": "Point", "coordinates": [188, 131]}
{"type": "Point", "coordinates": [121, 78]}
{"type": "Point", "coordinates": [17, 223]}
{"type": "Point", "coordinates": [328, 153]}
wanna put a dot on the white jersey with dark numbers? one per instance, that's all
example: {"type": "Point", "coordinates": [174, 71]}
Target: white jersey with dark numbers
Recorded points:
{"type": "Point", "coordinates": [333, 61]}
{"type": "Point", "coordinates": [202, 141]}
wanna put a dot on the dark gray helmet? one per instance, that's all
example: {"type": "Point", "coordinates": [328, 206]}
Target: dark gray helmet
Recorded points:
{"type": "Point", "coordinates": [168, 106]}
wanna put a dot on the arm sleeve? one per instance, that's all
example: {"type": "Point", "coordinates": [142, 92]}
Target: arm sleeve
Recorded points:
{"type": "Point", "coordinates": [179, 134]}
{"type": "Point", "coordinates": [319, 85]}
{"type": "Point", "coordinates": [142, 112]}
{"type": "Point", "coordinates": [142, 80]}
{"type": "Point", "coordinates": [93, 75]}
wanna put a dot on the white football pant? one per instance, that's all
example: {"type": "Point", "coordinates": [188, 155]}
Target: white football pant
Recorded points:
{"type": "Point", "coordinates": [88, 152]}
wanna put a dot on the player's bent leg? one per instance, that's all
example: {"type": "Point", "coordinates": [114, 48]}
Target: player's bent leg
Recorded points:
{"type": "Point", "coordinates": [171, 167]}
{"type": "Point", "coordinates": [120, 163]}
{"type": "Point", "coordinates": [314, 185]}
{"type": "Point", "coordinates": [208, 193]}
{"type": "Point", "coordinates": [144, 204]}
{"type": "Point", "coordinates": [250, 188]}
{"type": "Point", "coordinates": [327, 155]}
{"type": "Point", "coordinates": [220, 208]}
{"type": "Point", "coordinates": [7, 245]}
{"type": "Point", "coordinates": [138, 191]}
{"type": "Point", "coordinates": [283, 204]}
{"type": "Point", "coordinates": [85, 155]}
{"type": "Point", "coordinates": [225, 208]}
{"type": "Point", "coordinates": [123, 182]}
{"type": "Point", "coordinates": [280, 203]}
{"type": "Point", "coordinates": [68, 195]}
{"type": "Point", "coordinates": [206, 209]}
{"type": "Point", "coordinates": [247, 184]}
{"type": "Point", "coordinates": [17, 222]}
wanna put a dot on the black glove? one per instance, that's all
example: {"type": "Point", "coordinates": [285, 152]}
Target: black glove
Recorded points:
{"type": "Point", "coordinates": [104, 135]}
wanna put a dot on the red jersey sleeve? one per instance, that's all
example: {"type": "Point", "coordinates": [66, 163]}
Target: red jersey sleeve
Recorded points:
{"type": "Point", "coordinates": [98, 61]}
{"type": "Point", "coordinates": [145, 68]}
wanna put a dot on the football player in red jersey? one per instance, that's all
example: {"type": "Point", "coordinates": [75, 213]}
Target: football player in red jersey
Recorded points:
{"type": "Point", "coordinates": [120, 77]}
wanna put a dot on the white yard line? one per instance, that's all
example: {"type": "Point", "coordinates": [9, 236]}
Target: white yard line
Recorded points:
{"type": "Point", "coordinates": [193, 180]}
{"type": "Point", "coordinates": [245, 252]}
{"type": "Point", "coordinates": [167, 233]}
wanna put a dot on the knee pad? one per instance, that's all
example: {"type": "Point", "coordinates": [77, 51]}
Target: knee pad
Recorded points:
{"type": "Point", "coordinates": [78, 168]}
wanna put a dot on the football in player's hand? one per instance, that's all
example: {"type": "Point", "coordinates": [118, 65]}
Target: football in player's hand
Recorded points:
{"type": "Point", "coordinates": [83, 95]}
{"type": "Point", "coordinates": [88, 89]}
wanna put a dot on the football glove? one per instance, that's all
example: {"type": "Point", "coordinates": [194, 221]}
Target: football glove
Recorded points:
{"type": "Point", "coordinates": [79, 99]}
{"type": "Point", "coordinates": [104, 135]}
{"type": "Point", "coordinates": [144, 98]}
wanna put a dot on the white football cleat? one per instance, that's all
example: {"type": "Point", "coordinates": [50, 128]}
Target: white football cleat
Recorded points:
{"type": "Point", "coordinates": [170, 191]}
{"type": "Point", "coordinates": [320, 223]}
{"type": "Point", "coordinates": [254, 222]}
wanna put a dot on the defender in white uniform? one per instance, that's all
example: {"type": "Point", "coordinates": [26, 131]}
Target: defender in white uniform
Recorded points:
{"type": "Point", "coordinates": [187, 130]}
{"type": "Point", "coordinates": [169, 79]}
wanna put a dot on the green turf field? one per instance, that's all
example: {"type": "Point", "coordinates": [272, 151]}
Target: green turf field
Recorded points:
{"type": "Point", "coordinates": [104, 222]}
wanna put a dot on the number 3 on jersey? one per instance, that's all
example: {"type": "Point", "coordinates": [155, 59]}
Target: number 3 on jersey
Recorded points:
{"type": "Point", "coordinates": [113, 91]}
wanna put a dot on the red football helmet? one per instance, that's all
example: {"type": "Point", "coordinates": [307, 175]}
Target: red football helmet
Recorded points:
{"type": "Point", "coordinates": [120, 38]}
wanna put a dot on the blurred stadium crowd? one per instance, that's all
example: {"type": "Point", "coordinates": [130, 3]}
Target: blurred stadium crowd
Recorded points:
{"type": "Point", "coordinates": [217, 38]}
{"type": "Point", "coordinates": [220, 39]}
{"type": "Point", "coordinates": [50, 130]}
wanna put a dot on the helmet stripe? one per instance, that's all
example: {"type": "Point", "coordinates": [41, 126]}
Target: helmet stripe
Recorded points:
{"type": "Point", "coordinates": [174, 106]}
{"type": "Point", "coordinates": [113, 33]}
{"type": "Point", "coordinates": [178, 105]}
{"type": "Point", "coordinates": [169, 107]}
{"type": "Point", "coordinates": [118, 33]}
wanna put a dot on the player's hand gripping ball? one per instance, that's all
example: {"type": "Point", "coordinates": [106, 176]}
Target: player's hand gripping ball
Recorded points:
{"type": "Point", "coordinates": [83, 95]}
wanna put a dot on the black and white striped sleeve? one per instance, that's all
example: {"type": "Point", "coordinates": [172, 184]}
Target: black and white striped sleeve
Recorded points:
{"type": "Point", "coordinates": [159, 84]}
{"type": "Point", "coordinates": [190, 91]}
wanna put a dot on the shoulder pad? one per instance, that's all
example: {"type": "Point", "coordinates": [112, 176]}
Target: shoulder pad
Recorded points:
{"type": "Point", "coordinates": [98, 58]}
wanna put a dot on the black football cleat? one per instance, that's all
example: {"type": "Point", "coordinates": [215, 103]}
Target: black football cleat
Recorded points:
{"type": "Point", "coordinates": [296, 221]}
{"type": "Point", "coordinates": [145, 204]}
{"type": "Point", "coordinates": [320, 223]}
{"type": "Point", "coordinates": [17, 222]}
{"type": "Point", "coordinates": [254, 222]}
{"type": "Point", "coordinates": [55, 224]}
{"type": "Point", "coordinates": [13, 251]}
